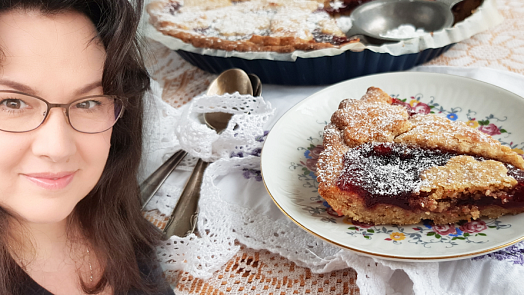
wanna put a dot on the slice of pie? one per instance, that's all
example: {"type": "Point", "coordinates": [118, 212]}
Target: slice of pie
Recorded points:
{"type": "Point", "coordinates": [384, 164]}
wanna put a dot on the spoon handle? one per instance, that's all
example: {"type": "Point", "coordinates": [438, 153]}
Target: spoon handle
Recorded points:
{"type": "Point", "coordinates": [150, 186]}
{"type": "Point", "coordinates": [182, 221]}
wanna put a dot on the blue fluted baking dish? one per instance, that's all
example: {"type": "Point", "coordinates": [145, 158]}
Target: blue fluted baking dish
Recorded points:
{"type": "Point", "coordinates": [315, 71]}
{"type": "Point", "coordinates": [332, 65]}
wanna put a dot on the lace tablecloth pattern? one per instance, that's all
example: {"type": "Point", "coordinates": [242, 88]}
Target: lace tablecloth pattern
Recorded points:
{"type": "Point", "coordinates": [259, 271]}
{"type": "Point", "coordinates": [500, 48]}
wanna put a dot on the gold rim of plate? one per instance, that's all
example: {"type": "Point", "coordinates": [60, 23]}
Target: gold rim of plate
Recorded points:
{"type": "Point", "coordinates": [384, 255]}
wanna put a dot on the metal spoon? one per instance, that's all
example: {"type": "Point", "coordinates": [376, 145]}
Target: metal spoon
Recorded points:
{"type": "Point", "coordinates": [182, 221]}
{"type": "Point", "coordinates": [227, 82]}
{"type": "Point", "coordinates": [150, 186]}
{"type": "Point", "coordinates": [374, 19]}
{"type": "Point", "coordinates": [256, 84]}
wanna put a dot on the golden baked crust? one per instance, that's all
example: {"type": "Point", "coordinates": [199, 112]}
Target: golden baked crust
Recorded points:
{"type": "Point", "coordinates": [465, 175]}
{"type": "Point", "coordinates": [252, 25]}
{"type": "Point", "coordinates": [431, 131]}
{"type": "Point", "coordinates": [473, 166]}
{"type": "Point", "coordinates": [256, 25]}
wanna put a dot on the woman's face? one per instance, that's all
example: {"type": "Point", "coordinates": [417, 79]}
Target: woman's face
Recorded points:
{"type": "Point", "coordinates": [44, 173]}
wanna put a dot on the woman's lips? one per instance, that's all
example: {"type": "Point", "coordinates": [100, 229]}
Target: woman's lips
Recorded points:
{"type": "Point", "coordinates": [51, 181]}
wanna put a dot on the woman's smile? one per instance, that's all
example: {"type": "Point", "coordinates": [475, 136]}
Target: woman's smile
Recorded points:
{"type": "Point", "coordinates": [51, 181]}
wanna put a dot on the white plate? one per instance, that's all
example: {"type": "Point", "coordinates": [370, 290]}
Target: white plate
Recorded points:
{"type": "Point", "coordinates": [291, 147]}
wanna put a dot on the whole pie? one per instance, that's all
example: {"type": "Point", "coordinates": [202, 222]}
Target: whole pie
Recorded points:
{"type": "Point", "coordinates": [384, 164]}
{"type": "Point", "coordinates": [263, 25]}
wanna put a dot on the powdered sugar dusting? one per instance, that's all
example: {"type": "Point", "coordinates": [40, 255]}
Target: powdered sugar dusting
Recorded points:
{"type": "Point", "coordinates": [388, 169]}
{"type": "Point", "coordinates": [446, 131]}
{"type": "Point", "coordinates": [241, 20]}
{"type": "Point", "coordinates": [466, 174]}
{"type": "Point", "coordinates": [330, 159]}
{"type": "Point", "coordinates": [431, 131]}
{"type": "Point", "coordinates": [371, 125]}
{"type": "Point", "coordinates": [364, 121]}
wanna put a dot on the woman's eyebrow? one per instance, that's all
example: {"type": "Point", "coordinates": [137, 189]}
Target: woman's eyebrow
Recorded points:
{"type": "Point", "coordinates": [17, 86]}
{"type": "Point", "coordinates": [27, 89]}
{"type": "Point", "coordinates": [88, 88]}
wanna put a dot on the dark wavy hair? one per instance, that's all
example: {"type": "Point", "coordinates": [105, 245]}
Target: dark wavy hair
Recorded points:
{"type": "Point", "coordinates": [109, 216]}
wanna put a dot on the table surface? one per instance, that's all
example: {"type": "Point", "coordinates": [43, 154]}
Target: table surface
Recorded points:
{"type": "Point", "coordinates": [262, 272]}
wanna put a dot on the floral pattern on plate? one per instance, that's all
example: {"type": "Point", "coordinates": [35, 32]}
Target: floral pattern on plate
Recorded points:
{"type": "Point", "coordinates": [490, 125]}
{"type": "Point", "coordinates": [425, 234]}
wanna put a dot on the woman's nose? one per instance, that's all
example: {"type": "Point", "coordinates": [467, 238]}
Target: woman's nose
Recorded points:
{"type": "Point", "coordinates": [54, 139]}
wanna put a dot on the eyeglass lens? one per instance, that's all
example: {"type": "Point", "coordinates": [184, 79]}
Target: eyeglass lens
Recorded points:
{"type": "Point", "coordinates": [20, 112]}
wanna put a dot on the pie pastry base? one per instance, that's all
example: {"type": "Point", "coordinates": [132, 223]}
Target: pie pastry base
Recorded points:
{"type": "Point", "coordinates": [463, 173]}
{"type": "Point", "coordinates": [281, 26]}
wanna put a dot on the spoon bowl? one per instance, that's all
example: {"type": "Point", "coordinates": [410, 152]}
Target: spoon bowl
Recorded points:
{"type": "Point", "coordinates": [230, 81]}
{"type": "Point", "coordinates": [375, 19]}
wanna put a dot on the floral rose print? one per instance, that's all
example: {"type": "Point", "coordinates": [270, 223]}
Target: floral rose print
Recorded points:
{"type": "Point", "coordinates": [445, 229]}
{"type": "Point", "coordinates": [396, 236]}
{"type": "Point", "coordinates": [312, 154]}
{"type": "Point", "coordinates": [311, 164]}
{"type": "Point", "coordinates": [490, 129]}
{"type": "Point", "coordinates": [421, 108]}
{"type": "Point", "coordinates": [403, 103]}
{"type": "Point", "coordinates": [474, 226]}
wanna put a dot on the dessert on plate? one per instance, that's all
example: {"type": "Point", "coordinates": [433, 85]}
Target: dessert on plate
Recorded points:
{"type": "Point", "coordinates": [263, 25]}
{"type": "Point", "coordinates": [384, 164]}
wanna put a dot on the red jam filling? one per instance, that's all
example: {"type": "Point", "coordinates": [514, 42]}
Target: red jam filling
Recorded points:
{"type": "Point", "coordinates": [327, 38]}
{"type": "Point", "coordinates": [389, 173]}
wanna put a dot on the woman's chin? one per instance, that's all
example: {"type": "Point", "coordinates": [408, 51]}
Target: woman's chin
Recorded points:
{"type": "Point", "coordinates": [42, 215]}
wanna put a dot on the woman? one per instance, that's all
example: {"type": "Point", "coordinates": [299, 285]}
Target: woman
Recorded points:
{"type": "Point", "coordinates": [71, 89]}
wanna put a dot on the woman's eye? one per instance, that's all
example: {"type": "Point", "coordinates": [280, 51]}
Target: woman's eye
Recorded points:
{"type": "Point", "coordinates": [14, 104]}
{"type": "Point", "coordinates": [87, 104]}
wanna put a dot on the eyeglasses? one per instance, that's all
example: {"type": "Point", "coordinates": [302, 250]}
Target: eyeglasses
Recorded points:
{"type": "Point", "coordinates": [20, 112]}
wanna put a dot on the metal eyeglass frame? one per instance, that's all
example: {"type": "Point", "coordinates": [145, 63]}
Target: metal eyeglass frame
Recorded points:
{"type": "Point", "coordinates": [66, 107]}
